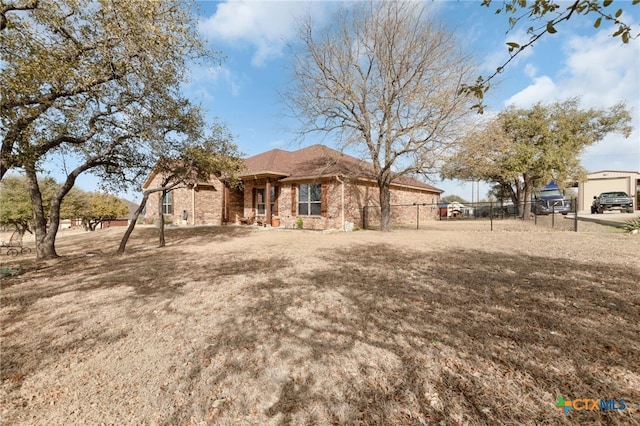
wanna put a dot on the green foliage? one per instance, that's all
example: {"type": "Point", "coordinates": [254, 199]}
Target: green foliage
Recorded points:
{"type": "Point", "coordinates": [90, 207]}
{"type": "Point", "coordinates": [96, 83]}
{"type": "Point", "coordinates": [632, 224]}
{"type": "Point", "coordinates": [76, 205]}
{"type": "Point", "coordinates": [524, 148]}
{"type": "Point", "coordinates": [98, 208]}
{"type": "Point", "coordinates": [9, 271]}
{"type": "Point", "coordinates": [199, 160]}
{"type": "Point", "coordinates": [15, 204]}
{"type": "Point", "coordinates": [95, 80]}
{"type": "Point", "coordinates": [453, 199]}
{"type": "Point", "coordinates": [299, 223]}
{"type": "Point", "coordinates": [541, 9]}
{"type": "Point", "coordinates": [499, 192]}
{"type": "Point", "coordinates": [15, 201]}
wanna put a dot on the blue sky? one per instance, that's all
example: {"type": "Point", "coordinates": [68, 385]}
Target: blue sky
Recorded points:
{"type": "Point", "coordinates": [244, 91]}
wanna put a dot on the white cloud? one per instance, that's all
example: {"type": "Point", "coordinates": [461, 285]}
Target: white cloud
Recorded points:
{"type": "Point", "coordinates": [497, 57]}
{"type": "Point", "coordinates": [202, 79]}
{"type": "Point", "coordinates": [597, 69]}
{"type": "Point", "coordinates": [530, 70]}
{"type": "Point", "coordinates": [542, 89]}
{"type": "Point", "coordinates": [264, 25]}
{"type": "Point", "coordinates": [601, 72]}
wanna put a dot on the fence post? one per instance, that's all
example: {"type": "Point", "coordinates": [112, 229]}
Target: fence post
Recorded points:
{"type": "Point", "coordinates": [417, 216]}
{"type": "Point", "coordinates": [553, 216]}
{"type": "Point", "coordinates": [491, 214]}
{"type": "Point", "coordinates": [364, 215]}
{"type": "Point", "coordinates": [575, 215]}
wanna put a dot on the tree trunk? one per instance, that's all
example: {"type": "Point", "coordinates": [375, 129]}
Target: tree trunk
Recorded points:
{"type": "Point", "coordinates": [385, 207]}
{"type": "Point", "coordinates": [134, 220]}
{"type": "Point", "coordinates": [45, 243]}
{"type": "Point", "coordinates": [525, 193]}
{"type": "Point", "coordinates": [161, 218]}
{"type": "Point", "coordinates": [46, 235]}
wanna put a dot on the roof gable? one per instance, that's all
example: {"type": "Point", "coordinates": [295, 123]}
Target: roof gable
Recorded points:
{"type": "Point", "coordinates": [314, 162]}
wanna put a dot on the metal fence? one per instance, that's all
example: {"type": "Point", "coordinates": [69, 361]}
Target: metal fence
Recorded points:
{"type": "Point", "coordinates": [402, 215]}
{"type": "Point", "coordinates": [560, 216]}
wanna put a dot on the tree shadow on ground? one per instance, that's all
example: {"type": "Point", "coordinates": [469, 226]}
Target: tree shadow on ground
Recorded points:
{"type": "Point", "coordinates": [479, 338]}
{"type": "Point", "coordinates": [142, 274]}
{"type": "Point", "coordinates": [375, 335]}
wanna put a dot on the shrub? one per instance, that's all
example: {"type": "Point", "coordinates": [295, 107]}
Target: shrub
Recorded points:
{"type": "Point", "coordinates": [632, 224]}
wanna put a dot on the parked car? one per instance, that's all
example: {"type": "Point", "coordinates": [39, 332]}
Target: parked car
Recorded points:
{"type": "Point", "coordinates": [615, 200]}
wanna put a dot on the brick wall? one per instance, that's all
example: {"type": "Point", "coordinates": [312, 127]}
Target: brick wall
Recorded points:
{"type": "Point", "coordinates": [235, 205]}
{"type": "Point", "coordinates": [214, 205]}
{"type": "Point", "coordinates": [403, 210]}
{"type": "Point", "coordinates": [204, 204]}
{"type": "Point", "coordinates": [356, 196]}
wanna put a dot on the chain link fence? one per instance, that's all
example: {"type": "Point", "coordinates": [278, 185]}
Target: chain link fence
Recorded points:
{"type": "Point", "coordinates": [402, 215]}
{"type": "Point", "coordinates": [553, 214]}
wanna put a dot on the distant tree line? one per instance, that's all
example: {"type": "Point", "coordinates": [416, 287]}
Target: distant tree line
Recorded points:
{"type": "Point", "coordinates": [89, 208]}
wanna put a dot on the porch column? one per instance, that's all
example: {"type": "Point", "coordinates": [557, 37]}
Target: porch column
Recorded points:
{"type": "Point", "coordinates": [267, 200]}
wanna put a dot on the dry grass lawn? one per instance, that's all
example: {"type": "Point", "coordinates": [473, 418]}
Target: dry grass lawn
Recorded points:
{"type": "Point", "coordinates": [448, 325]}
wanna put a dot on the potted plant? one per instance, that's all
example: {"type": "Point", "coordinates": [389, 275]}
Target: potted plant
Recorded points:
{"type": "Point", "coordinates": [275, 221]}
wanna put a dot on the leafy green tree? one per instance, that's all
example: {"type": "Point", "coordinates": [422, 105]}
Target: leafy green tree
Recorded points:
{"type": "Point", "coordinates": [93, 208]}
{"type": "Point", "coordinates": [76, 204]}
{"type": "Point", "coordinates": [545, 16]}
{"type": "Point", "coordinates": [498, 193]}
{"type": "Point", "coordinates": [453, 199]}
{"type": "Point", "coordinates": [105, 207]}
{"type": "Point", "coordinates": [15, 203]}
{"type": "Point", "coordinates": [96, 84]}
{"type": "Point", "coordinates": [384, 80]}
{"type": "Point", "coordinates": [524, 148]}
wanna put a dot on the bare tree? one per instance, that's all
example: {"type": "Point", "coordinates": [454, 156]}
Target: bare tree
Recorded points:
{"type": "Point", "coordinates": [384, 79]}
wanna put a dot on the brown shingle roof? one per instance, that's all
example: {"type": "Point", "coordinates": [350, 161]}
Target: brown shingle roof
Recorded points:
{"type": "Point", "coordinates": [314, 162]}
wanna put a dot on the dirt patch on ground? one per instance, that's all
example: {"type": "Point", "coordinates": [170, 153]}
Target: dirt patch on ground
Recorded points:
{"type": "Point", "coordinates": [452, 324]}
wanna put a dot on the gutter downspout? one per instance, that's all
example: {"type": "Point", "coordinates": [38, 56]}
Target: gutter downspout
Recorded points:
{"type": "Point", "coordinates": [193, 205]}
{"type": "Point", "coordinates": [342, 209]}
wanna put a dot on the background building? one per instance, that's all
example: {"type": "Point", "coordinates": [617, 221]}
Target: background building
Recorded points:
{"type": "Point", "coordinates": [607, 181]}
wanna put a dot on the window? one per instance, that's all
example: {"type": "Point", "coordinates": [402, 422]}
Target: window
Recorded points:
{"type": "Point", "coordinates": [309, 199]}
{"type": "Point", "coordinates": [167, 203]}
{"type": "Point", "coordinates": [261, 200]}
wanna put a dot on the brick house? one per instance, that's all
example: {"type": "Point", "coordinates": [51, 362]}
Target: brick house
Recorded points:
{"type": "Point", "coordinates": [317, 186]}
{"type": "Point", "coordinates": [205, 203]}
